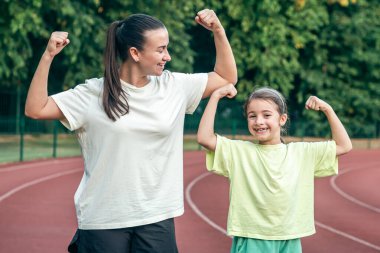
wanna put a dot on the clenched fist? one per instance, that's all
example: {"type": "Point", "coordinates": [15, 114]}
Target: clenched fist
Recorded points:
{"type": "Point", "coordinates": [57, 41]}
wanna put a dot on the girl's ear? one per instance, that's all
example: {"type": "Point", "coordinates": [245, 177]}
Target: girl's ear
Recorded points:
{"type": "Point", "coordinates": [283, 119]}
{"type": "Point", "coordinates": [134, 54]}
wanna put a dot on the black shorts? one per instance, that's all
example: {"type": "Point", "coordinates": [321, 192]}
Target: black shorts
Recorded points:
{"type": "Point", "coordinates": [152, 238]}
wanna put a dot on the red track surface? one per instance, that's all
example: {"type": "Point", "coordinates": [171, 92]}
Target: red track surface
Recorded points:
{"type": "Point", "coordinates": [37, 212]}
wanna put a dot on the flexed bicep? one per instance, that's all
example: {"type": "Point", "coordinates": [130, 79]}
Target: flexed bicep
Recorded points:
{"type": "Point", "coordinates": [38, 105]}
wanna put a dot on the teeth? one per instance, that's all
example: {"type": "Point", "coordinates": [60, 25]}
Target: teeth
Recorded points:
{"type": "Point", "coordinates": [261, 129]}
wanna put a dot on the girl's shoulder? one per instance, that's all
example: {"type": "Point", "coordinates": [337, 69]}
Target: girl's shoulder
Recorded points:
{"type": "Point", "coordinates": [311, 145]}
{"type": "Point", "coordinates": [236, 143]}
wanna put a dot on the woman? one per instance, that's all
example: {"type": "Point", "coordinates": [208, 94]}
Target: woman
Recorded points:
{"type": "Point", "coordinates": [130, 127]}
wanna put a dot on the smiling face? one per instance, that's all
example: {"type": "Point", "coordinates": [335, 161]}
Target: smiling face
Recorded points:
{"type": "Point", "coordinates": [265, 121]}
{"type": "Point", "coordinates": [155, 55]}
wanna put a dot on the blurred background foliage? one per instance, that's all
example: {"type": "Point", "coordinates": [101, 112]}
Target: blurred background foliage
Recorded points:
{"type": "Point", "coordinates": [301, 47]}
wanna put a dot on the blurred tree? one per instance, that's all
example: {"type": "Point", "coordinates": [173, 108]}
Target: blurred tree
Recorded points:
{"type": "Point", "coordinates": [27, 25]}
{"type": "Point", "coordinates": [342, 67]}
{"type": "Point", "coordinates": [308, 47]}
{"type": "Point", "coordinates": [301, 47]}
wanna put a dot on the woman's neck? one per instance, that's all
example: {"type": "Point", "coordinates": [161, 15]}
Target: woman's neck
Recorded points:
{"type": "Point", "coordinates": [130, 73]}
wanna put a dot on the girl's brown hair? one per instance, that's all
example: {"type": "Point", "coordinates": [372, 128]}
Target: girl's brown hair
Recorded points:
{"type": "Point", "coordinates": [272, 95]}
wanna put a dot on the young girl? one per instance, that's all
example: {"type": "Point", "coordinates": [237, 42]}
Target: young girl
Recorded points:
{"type": "Point", "coordinates": [130, 127]}
{"type": "Point", "coordinates": [271, 183]}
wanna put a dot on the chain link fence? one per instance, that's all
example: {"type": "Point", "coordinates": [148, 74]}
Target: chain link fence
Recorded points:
{"type": "Point", "coordinates": [22, 138]}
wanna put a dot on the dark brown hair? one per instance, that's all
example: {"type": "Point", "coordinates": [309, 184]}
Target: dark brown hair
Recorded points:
{"type": "Point", "coordinates": [121, 36]}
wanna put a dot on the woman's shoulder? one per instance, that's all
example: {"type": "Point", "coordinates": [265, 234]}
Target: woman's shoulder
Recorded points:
{"type": "Point", "coordinates": [95, 83]}
{"type": "Point", "coordinates": [167, 76]}
{"type": "Point", "coordinates": [93, 86]}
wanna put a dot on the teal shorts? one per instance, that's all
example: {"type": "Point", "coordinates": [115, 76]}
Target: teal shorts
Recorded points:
{"type": "Point", "coordinates": [251, 245]}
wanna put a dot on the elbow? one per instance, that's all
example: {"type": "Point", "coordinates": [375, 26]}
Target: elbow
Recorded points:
{"type": "Point", "coordinates": [28, 114]}
{"type": "Point", "coordinates": [31, 114]}
{"type": "Point", "coordinates": [203, 141]}
{"type": "Point", "coordinates": [349, 147]}
{"type": "Point", "coordinates": [200, 140]}
{"type": "Point", "coordinates": [345, 149]}
{"type": "Point", "coordinates": [206, 142]}
{"type": "Point", "coordinates": [234, 80]}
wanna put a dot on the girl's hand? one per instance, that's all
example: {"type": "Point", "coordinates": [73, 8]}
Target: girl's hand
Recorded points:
{"type": "Point", "coordinates": [228, 90]}
{"type": "Point", "coordinates": [208, 19]}
{"type": "Point", "coordinates": [57, 41]}
{"type": "Point", "coordinates": [314, 103]}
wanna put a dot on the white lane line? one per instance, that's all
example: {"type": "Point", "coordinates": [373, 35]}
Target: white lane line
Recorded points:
{"type": "Point", "coordinates": [348, 196]}
{"type": "Point", "coordinates": [36, 181]}
{"type": "Point", "coordinates": [351, 237]}
{"type": "Point", "coordinates": [37, 164]}
{"type": "Point", "coordinates": [194, 207]}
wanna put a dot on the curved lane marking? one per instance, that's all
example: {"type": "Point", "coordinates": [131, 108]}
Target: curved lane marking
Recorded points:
{"type": "Point", "coordinates": [36, 181]}
{"type": "Point", "coordinates": [37, 164]}
{"type": "Point", "coordinates": [351, 237]}
{"type": "Point", "coordinates": [194, 207]}
{"type": "Point", "coordinates": [348, 196]}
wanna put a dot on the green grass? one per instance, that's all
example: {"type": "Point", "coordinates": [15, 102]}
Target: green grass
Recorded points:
{"type": "Point", "coordinates": [37, 147]}
{"type": "Point", "coordinates": [41, 146]}
{"type": "Point", "coordinates": [190, 144]}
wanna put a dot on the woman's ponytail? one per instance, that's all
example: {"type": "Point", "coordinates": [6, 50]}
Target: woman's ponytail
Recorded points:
{"type": "Point", "coordinates": [121, 36]}
{"type": "Point", "coordinates": [114, 97]}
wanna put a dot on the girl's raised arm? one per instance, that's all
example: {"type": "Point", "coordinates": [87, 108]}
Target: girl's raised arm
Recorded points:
{"type": "Point", "coordinates": [339, 133]}
{"type": "Point", "coordinates": [206, 135]}
{"type": "Point", "coordinates": [38, 104]}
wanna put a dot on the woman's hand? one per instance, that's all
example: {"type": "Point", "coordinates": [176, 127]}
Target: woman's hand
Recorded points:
{"type": "Point", "coordinates": [208, 19]}
{"type": "Point", "coordinates": [57, 41]}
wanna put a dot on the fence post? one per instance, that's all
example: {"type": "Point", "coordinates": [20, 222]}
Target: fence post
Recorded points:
{"type": "Point", "coordinates": [21, 131]}
{"type": "Point", "coordinates": [55, 138]}
{"type": "Point", "coordinates": [18, 108]}
{"type": "Point", "coordinates": [234, 127]}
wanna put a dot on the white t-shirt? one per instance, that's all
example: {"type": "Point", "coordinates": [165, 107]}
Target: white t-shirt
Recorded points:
{"type": "Point", "coordinates": [133, 167]}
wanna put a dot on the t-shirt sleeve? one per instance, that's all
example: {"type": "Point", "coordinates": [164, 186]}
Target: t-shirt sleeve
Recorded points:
{"type": "Point", "coordinates": [74, 105]}
{"type": "Point", "coordinates": [193, 86]}
{"type": "Point", "coordinates": [325, 159]}
{"type": "Point", "coordinates": [219, 161]}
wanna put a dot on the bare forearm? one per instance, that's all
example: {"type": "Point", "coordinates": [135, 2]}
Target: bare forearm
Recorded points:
{"type": "Point", "coordinates": [225, 65]}
{"type": "Point", "coordinates": [38, 95]}
{"type": "Point", "coordinates": [206, 135]}
{"type": "Point", "coordinates": [339, 133]}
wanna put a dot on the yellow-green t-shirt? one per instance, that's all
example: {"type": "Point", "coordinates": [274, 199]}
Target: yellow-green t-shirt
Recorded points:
{"type": "Point", "coordinates": [272, 186]}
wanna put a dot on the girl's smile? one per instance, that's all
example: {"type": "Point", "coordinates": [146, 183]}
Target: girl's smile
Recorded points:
{"type": "Point", "coordinates": [264, 121]}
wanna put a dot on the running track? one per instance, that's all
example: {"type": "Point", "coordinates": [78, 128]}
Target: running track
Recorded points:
{"type": "Point", "coordinates": [37, 212]}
